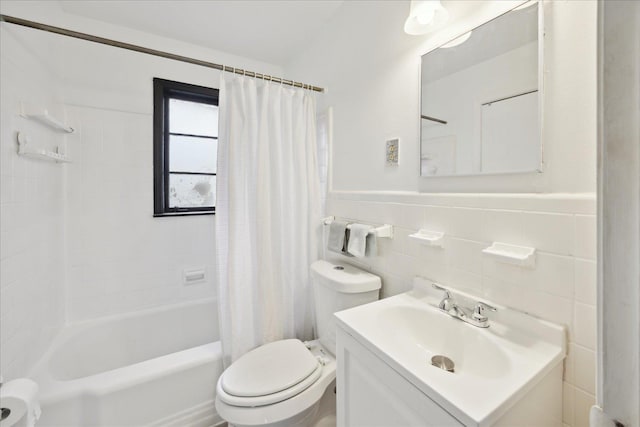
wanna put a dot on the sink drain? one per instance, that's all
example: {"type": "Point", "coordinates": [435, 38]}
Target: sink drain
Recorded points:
{"type": "Point", "coordinates": [443, 362]}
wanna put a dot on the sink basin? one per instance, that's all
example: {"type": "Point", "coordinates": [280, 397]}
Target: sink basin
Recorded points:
{"type": "Point", "coordinates": [494, 367]}
{"type": "Point", "coordinates": [473, 353]}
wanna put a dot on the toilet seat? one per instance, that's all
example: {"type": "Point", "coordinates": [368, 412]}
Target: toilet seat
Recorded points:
{"type": "Point", "coordinates": [285, 409]}
{"type": "Point", "coordinates": [269, 374]}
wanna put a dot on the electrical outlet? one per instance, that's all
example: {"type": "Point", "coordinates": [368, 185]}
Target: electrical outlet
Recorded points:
{"type": "Point", "coordinates": [392, 151]}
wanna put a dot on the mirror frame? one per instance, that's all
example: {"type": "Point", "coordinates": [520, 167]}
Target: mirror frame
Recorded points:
{"type": "Point", "coordinates": [541, 38]}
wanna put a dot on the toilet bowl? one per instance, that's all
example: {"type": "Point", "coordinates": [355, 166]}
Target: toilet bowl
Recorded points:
{"type": "Point", "coordinates": [286, 382]}
{"type": "Point", "coordinates": [294, 404]}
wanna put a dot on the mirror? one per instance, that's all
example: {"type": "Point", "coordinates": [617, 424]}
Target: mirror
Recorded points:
{"type": "Point", "coordinates": [480, 99]}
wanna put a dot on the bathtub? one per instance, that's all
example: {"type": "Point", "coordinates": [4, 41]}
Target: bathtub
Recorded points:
{"type": "Point", "coordinates": [156, 367]}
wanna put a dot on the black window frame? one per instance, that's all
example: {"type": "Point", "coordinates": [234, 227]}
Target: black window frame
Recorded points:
{"type": "Point", "coordinates": [163, 91]}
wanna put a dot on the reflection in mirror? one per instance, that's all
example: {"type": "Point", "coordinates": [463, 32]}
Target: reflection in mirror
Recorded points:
{"type": "Point", "coordinates": [480, 99]}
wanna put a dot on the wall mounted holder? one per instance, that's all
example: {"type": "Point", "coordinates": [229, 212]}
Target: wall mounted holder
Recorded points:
{"type": "Point", "coordinates": [24, 149]}
{"type": "Point", "coordinates": [47, 119]}
{"type": "Point", "coordinates": [521, 256]}
{"type": "Point", "coordinates": [385, 230]}
{"type": "Point", "coordinates": [429, 238]}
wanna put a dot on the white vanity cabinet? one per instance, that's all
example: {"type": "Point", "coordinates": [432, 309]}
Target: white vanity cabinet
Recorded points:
{"type": "Point", "coordinates": [508, 374]}
{"type": "Point", "coordinates": [370, 393]}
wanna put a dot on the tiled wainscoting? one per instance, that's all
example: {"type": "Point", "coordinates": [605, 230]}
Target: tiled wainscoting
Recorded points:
{"type": "Point", "coordinates": [561, 288]}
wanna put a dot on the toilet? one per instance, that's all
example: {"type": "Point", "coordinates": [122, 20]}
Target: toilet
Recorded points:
{"type": "Point", "coordinates": [288, 382]}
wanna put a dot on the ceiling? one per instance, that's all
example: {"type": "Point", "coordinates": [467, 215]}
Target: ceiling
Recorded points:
{"type": "Point", "coordinates": [272, 31]}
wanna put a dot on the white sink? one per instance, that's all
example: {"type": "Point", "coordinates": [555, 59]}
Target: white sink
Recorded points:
{"type": "Point", "coordinates": [473, 353]}
{"type": "Point", "coordinates": [494, 367]}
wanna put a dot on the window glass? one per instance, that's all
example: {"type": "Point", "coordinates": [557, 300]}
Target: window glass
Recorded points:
{"type": "Point", "coordinates": [185, 148]}
{"type": "Point", "coordinates": [192, 154]}
{"type": "Point", "coordinates": [193, 118]}
{"type": "Point", "coordinates": [191, 191]}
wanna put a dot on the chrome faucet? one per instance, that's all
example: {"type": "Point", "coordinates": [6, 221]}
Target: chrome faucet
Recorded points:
{"type": "Point", "coordinates": [447, 302]}
{"type": "Point", "coordinates": [478, 315]}
{"type": "Point", "coordinates": [475, 317]}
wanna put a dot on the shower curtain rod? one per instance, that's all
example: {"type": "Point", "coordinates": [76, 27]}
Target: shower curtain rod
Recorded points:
{"type": "Point", "coordinates": [154, 52]}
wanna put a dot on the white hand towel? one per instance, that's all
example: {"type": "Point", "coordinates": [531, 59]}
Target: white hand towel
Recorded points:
{"type": "Point", "coordinates": [337, 231]}
{"type": "Point", "coordinates": [372, 245]}
{"type": "Point", "coordinates": [358, 239]}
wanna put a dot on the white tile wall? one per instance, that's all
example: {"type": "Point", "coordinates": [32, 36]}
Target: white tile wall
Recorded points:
{"type": "Point", "coordinates": [561, 288]}
{"type": "Point", "coordinates": [120, 257]}
{"type": "Point", "coordinates": [79, 240]}
{"type": "Point", "coordinates": [31, 214]}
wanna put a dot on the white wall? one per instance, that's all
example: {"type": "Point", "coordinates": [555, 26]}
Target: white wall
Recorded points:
{"type": "Point", "coordinates": [121, 258]}
{"type": "Point", "coordinates": [50, 12]}
{"type": "Point", "coordinates": [561, 288]}
{"type": "Point", "coordinates": [32, 219]}
{"type": "Point", "coordinates": [371, 70]}
{"type": "Point", "coordinates": [82, 242]}
{"type": "Point", "coordinates": [619, 192]}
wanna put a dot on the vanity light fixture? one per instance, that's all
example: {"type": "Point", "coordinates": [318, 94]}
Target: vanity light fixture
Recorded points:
{"type": "Point", "coordinates": [425, 16]}
{"type": "Point", "coordinates": [457, 41]}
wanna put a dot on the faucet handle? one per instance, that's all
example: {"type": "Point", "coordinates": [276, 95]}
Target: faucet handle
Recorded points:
{"type": "Point", "coordinates": [440, 288]}
{"type": "Point", "coordinates": [446, 303]}
{"type": "Point", "coordinates": [478, 311]}
{"type": "Point", "coordinates": [482, 305]}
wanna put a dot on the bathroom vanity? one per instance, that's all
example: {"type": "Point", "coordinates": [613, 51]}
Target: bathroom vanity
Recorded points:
{"type": "Point", "coordinates": [507, 374]}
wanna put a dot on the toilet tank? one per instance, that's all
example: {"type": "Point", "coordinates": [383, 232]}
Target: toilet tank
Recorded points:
{"type": "Point", "coordinates": [336, 287]}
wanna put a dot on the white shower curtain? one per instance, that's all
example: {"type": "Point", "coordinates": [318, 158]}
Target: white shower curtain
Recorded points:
{"type": "Point", "coordinates": [267, 213]}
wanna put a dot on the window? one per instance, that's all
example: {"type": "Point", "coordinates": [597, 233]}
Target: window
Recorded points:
{"type": "Point", "coordinates": [185, 135]}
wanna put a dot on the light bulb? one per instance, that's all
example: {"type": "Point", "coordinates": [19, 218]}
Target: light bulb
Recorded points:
{"type": "Point", "coordinates": [425, 17]}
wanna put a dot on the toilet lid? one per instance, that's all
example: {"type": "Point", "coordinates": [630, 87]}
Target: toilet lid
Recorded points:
{"type": "Point", "coordinates": [269, 369]}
